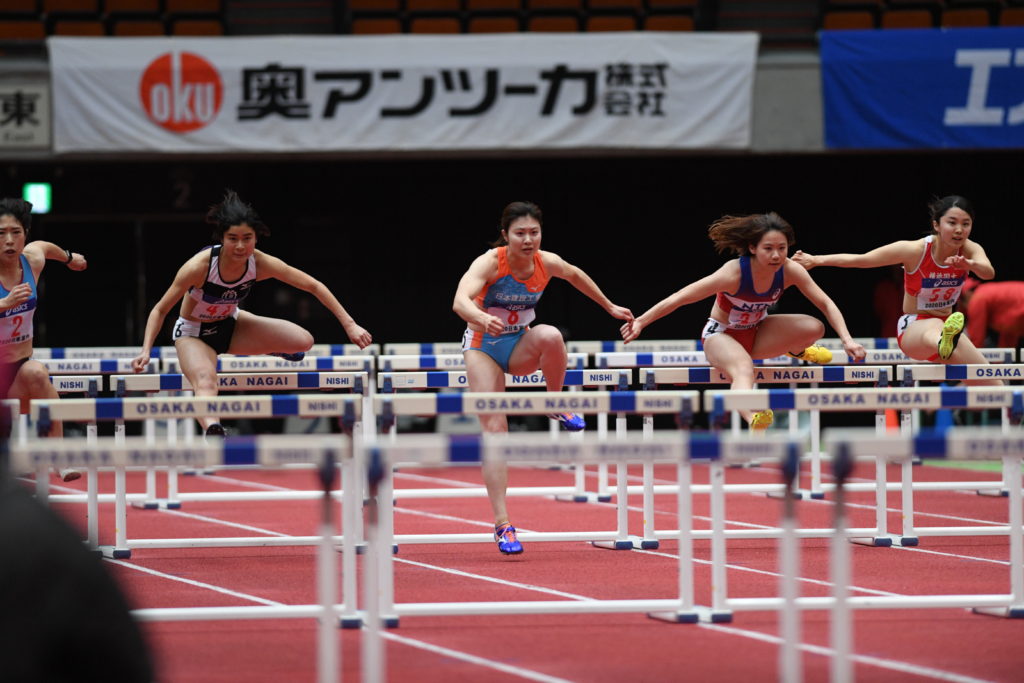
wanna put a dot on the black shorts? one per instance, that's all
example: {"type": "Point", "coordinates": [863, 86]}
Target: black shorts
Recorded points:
{"type": "Point", "coordinates": [217, 335]}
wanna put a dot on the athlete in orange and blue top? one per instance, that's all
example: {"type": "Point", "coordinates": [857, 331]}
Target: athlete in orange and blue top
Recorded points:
{"type": "Point", "coordinates": [935, 268]}
{"type": "Point", "coordinates": [496, 297]}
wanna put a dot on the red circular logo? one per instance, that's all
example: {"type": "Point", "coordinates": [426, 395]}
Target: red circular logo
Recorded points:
{"type": "Point", "coordinates": [181, 92]}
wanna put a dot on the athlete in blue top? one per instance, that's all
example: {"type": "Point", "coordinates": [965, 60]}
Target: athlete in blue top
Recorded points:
{"type": "Point", "coordinates": [210, 286]}
{"type": "Point", "coordinates": [496, 297]}
{"type": "Point", "coordinates": [20, 267]}
{"type": "Point", "coordinates": [739, 328]}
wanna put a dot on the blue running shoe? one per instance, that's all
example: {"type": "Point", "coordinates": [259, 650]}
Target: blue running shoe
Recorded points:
{"type": "Point", "coordinates": [571, 422]}
{"type": "Point", "coordinates": [291, 357]}
{"type": "Point", "coordinates": [505, 535]}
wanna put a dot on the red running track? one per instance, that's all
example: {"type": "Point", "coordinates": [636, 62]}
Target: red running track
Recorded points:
{"type": "Point", "coordinates": [889, 645]}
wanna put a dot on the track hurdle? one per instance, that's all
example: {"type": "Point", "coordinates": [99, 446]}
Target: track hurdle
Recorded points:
{"type": "Point", "coordinates": [344, 406]}
{"type": "Point", "coordinates": [893, 356]}
{"type": "Point", "coordinates": [263, 451]}
{"type": "Point", "coordinates": [960, 444]}
{"type": "Point", "coordinates": [808, 374]}
{"type": "Point", "coordinates": [424, 349]}
{"type": "Point", "coordinates": [854, 400]}
{"type": "Point", "coordinates": [361, 363]}
{"type": "Point", "coordinates": [666, 359]}
{"type": "Point", "coordinates": [669, 447]}
{"type": "Point", "coordinates": [285, 381]}
{"type": "Point", "coordinates": [94, 366]}
{"type": "Point", "coordinates": [455, 361]}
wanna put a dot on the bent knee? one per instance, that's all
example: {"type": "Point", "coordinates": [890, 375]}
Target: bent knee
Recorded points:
{"type": "Point", "coordinates": [547, 334]}
{"type": "Point", "coordinates": [35, 378]}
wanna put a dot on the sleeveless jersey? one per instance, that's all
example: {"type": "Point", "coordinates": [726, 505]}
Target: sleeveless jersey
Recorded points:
{"type": "Point", "coordinates": [747, 307]}
{"type": "Point", "coordinates": [513, 300]}
{"type": "Point", "coordinates": [16, 323]}
{"type": "Point", "coordinates": [217, 299]}
{"type": "Point", "coordinates": [934, 286]}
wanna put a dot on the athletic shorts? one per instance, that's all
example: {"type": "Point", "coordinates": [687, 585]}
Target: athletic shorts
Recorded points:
{"type": "Point", "coordinates": [217, 335]}
{"type": "Point", "coordinates": [499, 348]}
{"type": "Point", "coordinates": [904, 323]}
{"type": "Point", "coordinates": [744, 337]}
{"type": "Point", "coordinates": [8, 371]}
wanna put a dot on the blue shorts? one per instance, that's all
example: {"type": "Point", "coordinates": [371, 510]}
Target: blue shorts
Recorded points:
{"type": "Point", "coordinates": [499, 348]}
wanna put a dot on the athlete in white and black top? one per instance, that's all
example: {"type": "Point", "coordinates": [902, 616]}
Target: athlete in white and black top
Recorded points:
{"type": "Point", "coordinates": [210, 286]}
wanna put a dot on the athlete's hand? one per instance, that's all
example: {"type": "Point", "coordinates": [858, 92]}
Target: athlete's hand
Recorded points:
{"type": "Point", "coordinates": [140, 361]}
{"type": "Point", "coordinates": [620, 312]}
{"type": "Point", "coordinates": [855, 351]}
{"type": "Point", "coordinates": [959, 261]}
{"type": "Point", "coordinates": [20, 294]}
{"type": "Point", "coordinates": [358, 336]}
{"type": "Point", "coordinates": [492, 324]}
{"type": "Point", "coordinates": [78, 262]}
{"type": "Point", "coordinates": [631, 330]}
{"type": "Point", "coordinates": [806, 260]}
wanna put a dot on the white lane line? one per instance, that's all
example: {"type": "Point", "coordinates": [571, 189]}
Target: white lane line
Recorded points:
{"type": "Point", "coordinates": [197, 584]}
{"type": "Point", "coordinates": [214, 520]}
{"type": "Point", "coordinates": [491, 579]}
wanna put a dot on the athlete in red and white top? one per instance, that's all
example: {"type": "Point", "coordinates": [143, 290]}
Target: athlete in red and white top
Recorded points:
{"type": "Point", "coordinates": [739, 328]}
{"type": "Point", "coordinates": [21, 265]}
{"type": "Point", "coordinates": [496, 298]}
{"type": "Point", "coordinates": [935, 268]}
{"type": "Point", "coordinates": [210, 286]}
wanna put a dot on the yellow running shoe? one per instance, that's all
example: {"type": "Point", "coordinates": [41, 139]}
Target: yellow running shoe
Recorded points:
{"type": "Point", "coordinates": [814, 354]}
{"type": "Point", "coordinates": [762, 419]}
{"type": "Point", "coordinates": [951, 331]}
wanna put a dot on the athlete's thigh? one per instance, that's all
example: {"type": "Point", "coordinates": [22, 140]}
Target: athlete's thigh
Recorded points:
{"type": "Point", "coordinates": [726, 354]}
{"type": "Point", "coordinates": [781, 333]}
{"type": "Point", "coordinates": [32, 380]}
{"type": "Point", "coordinates": [920, 339]}
{"type": "Point", "coordinates": [534, 343]}
{"type": "Point", "coordinates": [195, 356]}
{"type": "Point", "coordinates": [482, 372]}
{"type": "Point", "coordinates": [257, 334]}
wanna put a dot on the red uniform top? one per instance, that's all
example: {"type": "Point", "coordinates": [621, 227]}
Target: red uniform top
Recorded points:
{"type": "Point", "coordinates": [997, 306]}
{"type": "Point", "coordinates": [935, 286]}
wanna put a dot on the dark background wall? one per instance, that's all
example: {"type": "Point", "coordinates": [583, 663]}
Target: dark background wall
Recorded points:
{"type": "Point", "coordinates": [391, 237]}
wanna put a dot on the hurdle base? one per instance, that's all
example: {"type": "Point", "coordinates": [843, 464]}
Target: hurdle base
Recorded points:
{"type": "Point", "coordinates": [390, 621]}
{"type": "Point", "coordinates": [115, 553]}
{"type": "Point", "coordinates": [816, 495]}
{"type": "Point", "coordinates": [1011, 612]}
{"type": "Point", "coordinates": [679, 617]}
{"type": "Point", "coordinates": [709, 615]}
{"type": "Point", "coordinates": [145, 504]}
{"type": "Point", "coordinates": [584, 497]}
{"type": "Point", "coordinates": [170, 504]}
{"type": "Point", "coordinates": [909, 541]}
{"type": "Point", "coordinates": [797, 495]}
{"type": "Point", "coordinates": [744, 465]}
{"type": "Point", "coordinates": [994, 493]}
{"type": "Point", "coordinates": [350, 622]}
{"type": "Point", "coordinates": [630, 543]}
{"type": "Point", "coordinates": [361, 548]}
{"type": "Point", "coordinates": [886, 541]}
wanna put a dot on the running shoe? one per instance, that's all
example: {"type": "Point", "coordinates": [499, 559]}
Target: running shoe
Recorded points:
{"type": "Point", "coordinates": [571, 422]}
{"type": "Point", "coordinates": [216, 430]}
{"type": "Point", "coordinates": [951, 331]}
{"type": "Point", "coordinates": [291, 357]}
{"type": "Point", "coordinates": [814, 354]}
{"type": "Point", "coordinates": [762, 419]}
{"type": "Point", "coordinates": [69, 474]}
{"type": "Point", "coordinates": [505, 535]}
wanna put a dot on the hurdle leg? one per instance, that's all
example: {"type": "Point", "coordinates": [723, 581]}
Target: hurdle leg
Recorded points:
{"type": "Point", "coordinates": [92, 506]}
{"type": "Point", "coordinates": [719, 612]}
{"type": "Point", "coordinates": [150, 502]}
{"type": "Point", "coordinates": [841, 616]}
{"type": "Point", "coordinates": [385, 548]}
{"type": "Point", "coordinates": [790, 661]}
{"type": "Point", "coordinates": [909, 536]}
{"type": "Point", "coordinates": [815, 423]}
{"type": "Point", "coordinates": [603, 495]}
{"type": "Point", "coordinates": [328, 661]}
{"type": "Point", "coordinates": [686, 613]}
{"type": "Point", "coordinates": [351, 527]}
{"type": "Point", "coordinates": [120, 550]}
{"type": "Point", "coordinates": [1012, 473]}
{"type": "Point", "coordinates": [1007, 477]}
{"type": "Point", "coordinates": [882, 537]}
{"type": "Point", "coordinates": [373, 664]}
{"type": "Point", "coordinates": [650, 540]}
{"type": "Point", "coordinates": [43, 485]}
{"type": "Point", "coordinates": [623, 541]}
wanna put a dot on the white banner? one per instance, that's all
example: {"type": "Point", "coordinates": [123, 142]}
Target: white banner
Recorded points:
{"type": "Point", "coordinates": [410, 92]}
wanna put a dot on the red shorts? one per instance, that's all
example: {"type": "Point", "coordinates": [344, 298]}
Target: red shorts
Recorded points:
{"type": "Point", "coordinates": [904, 323]}
{"type": "Point", "coordinates": [744, 337]}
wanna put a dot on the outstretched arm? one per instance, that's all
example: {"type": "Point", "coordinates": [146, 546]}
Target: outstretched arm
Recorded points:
{"type": "Point", "coordinates": [39, 251]}
{"type": "Point", "coordinates": [816, 295]}
{"type": "Point", "coordinates": [559, 267]}
{"type": "Point", "coordinates": [903, 252]}
{"type": "Point", "coordinates": [270, 266]}
{"type": "Point", "coordinates": [187, 275]}
{"type": "Point", "coordinates": [973, 259]}
{"type": "Point", "coordinates": [724, 279]}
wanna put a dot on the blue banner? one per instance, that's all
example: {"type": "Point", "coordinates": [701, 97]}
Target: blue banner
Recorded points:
{"type": "Point", "coordinates": [923, 88]}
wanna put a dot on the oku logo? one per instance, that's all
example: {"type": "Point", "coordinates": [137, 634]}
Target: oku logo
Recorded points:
{"type": "Point", "coordinates": [181, 91]}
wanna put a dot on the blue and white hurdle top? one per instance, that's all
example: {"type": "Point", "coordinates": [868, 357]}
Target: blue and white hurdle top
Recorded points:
{"type": "Point", "coordinates": [804, 374]}
{"type": "Point", "coordinates": [576, 361]}
{"type": "Point", "coordinates": [392, 381]}
{"type": "Point", "coordinates": [99, 352]}
{"type": "Point", "coordinates": [321, 350]}
{"type": "Point", "coordinates": [1007, 372]}
{"type": "Point", "coordinates": [90, 385]}
{"type": "Point", "coordinates": [897, 357]}
{"type": "Point", "coordinates": [645, 359]}
{"type": "Point", "coordinates": [94, 366]}
{"type": "Point", "coordinates": [427, 349]}
{"type": "Point", "coordinates": [242, 381]}
{"type": "Point", "coordinates": [867, 399]}
{"type": "Point", "coordinates": [962, 443]}
{"type": "Point", "coordinates": [361, 363]}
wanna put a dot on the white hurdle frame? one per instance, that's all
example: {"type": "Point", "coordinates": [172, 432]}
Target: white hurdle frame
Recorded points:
{"type": "Point", "coordinates": [854, 400]}
{"type": "Point", "coordinates": [264, 451]}
{"type": "Point", "coordinates": [346, 406]}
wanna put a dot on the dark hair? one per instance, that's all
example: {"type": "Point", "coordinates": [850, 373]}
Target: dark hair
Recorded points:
{"type": "Point", "coordinates": [233, 211]}
{"type": "Point", "coordinates": [19, 208]}
{"type": "Point", "coordinates": [739, 233]}
{"type": "Point", "coordinates": [513, 211]}
{"type": "Point", "coordinates": [938, 207]}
